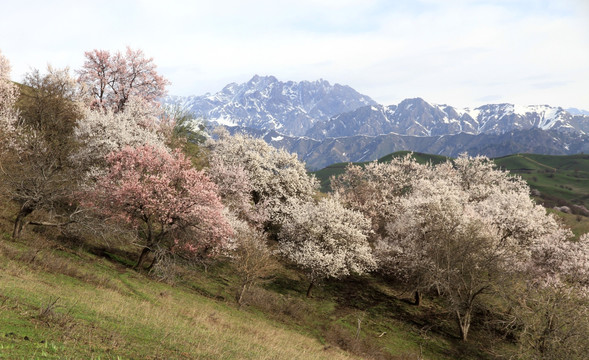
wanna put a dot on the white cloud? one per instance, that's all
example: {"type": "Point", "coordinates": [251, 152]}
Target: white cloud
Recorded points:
{"type": "Point", "coordinates": [457, 52]}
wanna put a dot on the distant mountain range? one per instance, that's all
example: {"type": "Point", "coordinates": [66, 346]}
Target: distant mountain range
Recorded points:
{"type": "Point", "coordinates": [326, 123]}
{"type": "Point", "coordinates": [265, 103]}
{"type": "Point", "coordinates": [320, 153]}
{"type": "Point", "coordinates": [417, 117]}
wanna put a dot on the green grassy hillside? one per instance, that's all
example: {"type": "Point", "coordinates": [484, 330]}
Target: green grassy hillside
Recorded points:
{"type": "Point", "coordinates": [71, 298]}
{"type": "Point", "coordinates": [561, 180]}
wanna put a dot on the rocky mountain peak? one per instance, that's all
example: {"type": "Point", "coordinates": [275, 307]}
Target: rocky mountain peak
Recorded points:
{"type": "Point", "coordinates": [264, 102]}
{"type": "Point", "coordinates": [320, 110]}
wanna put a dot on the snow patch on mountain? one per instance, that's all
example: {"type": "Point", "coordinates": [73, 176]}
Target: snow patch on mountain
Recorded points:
{"type": "Point", "coordinates": [320, 110]}
{"type": "Point", "coordinates": [266, 103]}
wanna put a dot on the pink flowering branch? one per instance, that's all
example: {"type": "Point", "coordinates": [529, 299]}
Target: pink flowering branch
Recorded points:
{"type": "Point", "coordinates": [172, 205]}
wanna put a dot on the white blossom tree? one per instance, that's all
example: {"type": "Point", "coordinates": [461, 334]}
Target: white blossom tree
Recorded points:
{"type": "Point", "coordinates": [326, 240]}
{"type": "Point", "coordinates": [235, 190]}
{"type": "Point", "coordinates": [276, 176]}
{"type": "Point", "coordinates": [103, 132]}
{"type": "Point", "coordinates": [376, 189]}
{"type": "Point", "coordinates": [8, 95]}
{"type": "Point", "coordinates": [442, 242]}
{"type": "Point", "coordinates": [558, 259]}
{"type": "Point", "coordinates": [464, 229]}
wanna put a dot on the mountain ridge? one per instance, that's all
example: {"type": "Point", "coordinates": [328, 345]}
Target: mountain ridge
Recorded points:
{"type": "Point", "coordinates": [418, 117]}
{"type": "Point", "coordinates": [320, 153]}
{"type": "Point", "coordinates": [266, 103]}
{"type": "Point", "coordinates": [325, 123]}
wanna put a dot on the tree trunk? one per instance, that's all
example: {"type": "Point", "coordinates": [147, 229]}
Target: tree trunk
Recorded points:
{"type": "Point", "coordinates": [240, 294]}
{"type": "Point", "coordinates": [309, 288]}
{"type": "Point", "coordinates": [548, 329]}
{"type": "Point", "coordinates": [19, 222]}
{"type": "Point", "coordinates": [464, 323]}
{"type": "Point", "coordinates": [144, 252]}
{"type": "Point", "coordinates": [153, 262]}
{"type": "Point", "coordinates": [417, 298]}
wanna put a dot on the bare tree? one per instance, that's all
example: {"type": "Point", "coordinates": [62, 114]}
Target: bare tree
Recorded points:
{"type": "Point", "coordinates": [254, 261]}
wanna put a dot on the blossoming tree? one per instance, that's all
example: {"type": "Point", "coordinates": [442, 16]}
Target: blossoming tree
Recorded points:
{"type": "Point", "coordinates": [376, 189]}
{"type": "Point", "coordinates": [462, 227]}
{"type": "Point", "coordinates": [103, 132]}
{"type": "Point", "coordinates": [110, 80]}
{"type": "Point", "coordinates": [326, 240]}
{"type": "Point", "coordinates": [275, 176]}
{"type": "Point", "coordinates": [172, 206]}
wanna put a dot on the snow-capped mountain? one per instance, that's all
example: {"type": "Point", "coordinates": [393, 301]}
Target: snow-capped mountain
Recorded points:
{"type": "Point", "coordinates": [320, 153]}
{"type": "Point", "coordinates": [417, 117]}
{"type": "Point", "coordinates": [326, 123]}
{"type": "Point", "coordinates": [320, 110]}
{"type": "Point", "coordinates": [575, 111]}
{"type": "Point", "coordinates": [266, 103]}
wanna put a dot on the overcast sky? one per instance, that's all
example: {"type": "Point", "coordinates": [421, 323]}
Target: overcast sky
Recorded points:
{"type": "Point", "coordinates": [462, 53]}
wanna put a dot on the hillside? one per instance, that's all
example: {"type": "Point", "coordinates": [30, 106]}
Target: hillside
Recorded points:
{"type": "Point", "coordinates": [71, 298]}
{"type": "Point", "coordinates": [113, 244]}
{"type": "Point", "coordinates": [561, 180]}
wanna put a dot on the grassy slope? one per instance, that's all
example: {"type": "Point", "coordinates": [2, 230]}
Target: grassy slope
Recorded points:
{"type": "Point", "coordinates": [111, 312]}
{"type": "Point", "coordinates": [63, 300]}
{"type": "Point", "coordinates": [560, 177]}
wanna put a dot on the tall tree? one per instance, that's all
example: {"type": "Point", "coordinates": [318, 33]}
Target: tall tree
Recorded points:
{"type": "Point", "coordinates": [172, 206]}
{"type": "Point", "coordinates": [466, 229]}
{"type": "Point", "coordinates": [110, 80]}
{"type": "Point", "coordinates": [36, 171]}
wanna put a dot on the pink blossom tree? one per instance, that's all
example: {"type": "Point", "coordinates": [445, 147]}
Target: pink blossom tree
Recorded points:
{"type": "Point", "coordinates": [172, 206]}
{"type": "Point", "coordinates": [111, 79]}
